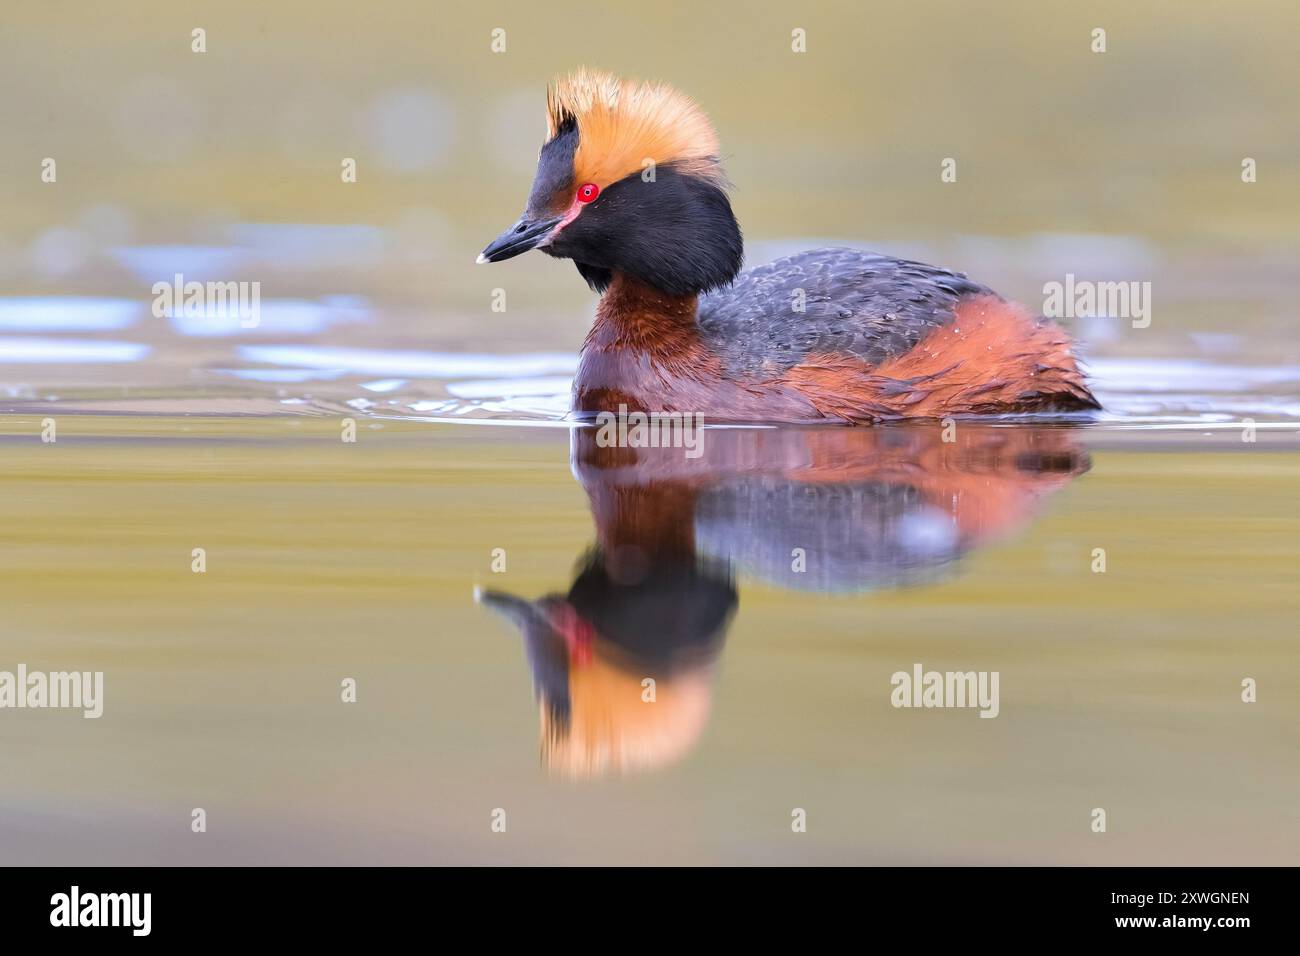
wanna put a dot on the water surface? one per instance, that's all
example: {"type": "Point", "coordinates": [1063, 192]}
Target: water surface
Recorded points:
{"type": "Point", "coordinates": [328, 560]}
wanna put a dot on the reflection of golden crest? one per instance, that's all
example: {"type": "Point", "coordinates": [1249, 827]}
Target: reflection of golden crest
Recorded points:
{"type": "Point", "coordinates": [865, 508]}
{"type": "Point", "coordinates": [614, 726]}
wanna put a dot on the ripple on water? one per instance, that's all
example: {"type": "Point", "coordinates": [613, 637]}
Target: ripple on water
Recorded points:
{"type": "Point", "coordinates": [528, 387]}
{"type": "Point", "coordinates": [58, 313]}
{"type": "Point", "coordinates": [1194, 391]}
{"type": "Point", "coordinates": [411, 364]}
{"type": "Point", "coordinates": [30, 350]}
{"type": "Point", "coordinates": [1146, 391]}
{"type": "Point", "coordinates": [274, 317]}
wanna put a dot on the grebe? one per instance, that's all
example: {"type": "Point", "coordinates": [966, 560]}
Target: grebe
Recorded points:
{"type": "Point", "coordinates": [629, 186]}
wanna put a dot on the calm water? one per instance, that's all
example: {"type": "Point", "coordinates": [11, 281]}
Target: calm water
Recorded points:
{"type": "Point", "coordinates": [499, 588]}
{"type": "Point", "coordinates": [520, 689]}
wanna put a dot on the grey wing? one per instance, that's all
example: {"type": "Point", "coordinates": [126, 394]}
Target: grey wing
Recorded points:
{"type": "Point", "coordinates": [853, 529]}
{"type": "Point", "coordinates": [827, 300]}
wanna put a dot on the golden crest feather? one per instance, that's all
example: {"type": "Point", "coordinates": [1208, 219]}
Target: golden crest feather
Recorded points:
{"type": "Point", "coordinates": [625, 125]}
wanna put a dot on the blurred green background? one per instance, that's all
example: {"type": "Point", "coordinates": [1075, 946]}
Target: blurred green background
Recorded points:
{"type": "Point", "coordinates": [158, 145]}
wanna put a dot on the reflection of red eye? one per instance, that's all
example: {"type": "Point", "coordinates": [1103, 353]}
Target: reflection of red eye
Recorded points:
{"type": "Point", "coordinates": [587, 192]}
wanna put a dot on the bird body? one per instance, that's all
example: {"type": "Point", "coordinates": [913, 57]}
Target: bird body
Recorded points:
{"type": "Point", "coordinates": [828, 335]}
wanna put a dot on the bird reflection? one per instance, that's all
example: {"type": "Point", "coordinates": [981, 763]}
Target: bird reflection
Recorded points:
{"type": "Point", "coordinates": [622, 663]}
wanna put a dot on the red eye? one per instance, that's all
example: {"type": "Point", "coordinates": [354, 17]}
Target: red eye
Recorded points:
{"type": "Point", "coordinates": [587, 192]}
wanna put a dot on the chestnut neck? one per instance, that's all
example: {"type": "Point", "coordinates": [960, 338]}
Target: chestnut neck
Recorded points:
{"type": "Point", "coordinates": [634, 315]}
{"type": "Point", "coordinates": [657, 521]}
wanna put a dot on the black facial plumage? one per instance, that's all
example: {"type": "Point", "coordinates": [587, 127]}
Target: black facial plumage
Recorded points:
{"type": "Point", "coordinates": [675, 232]}
{"type": "Point", "coordinates": [554, 183]}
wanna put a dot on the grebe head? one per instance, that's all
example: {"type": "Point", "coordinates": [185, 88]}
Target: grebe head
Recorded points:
{"type": "Point", "coordinates": [592, 649]}
{"type": "Point", "coordinates": [628, 181]}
